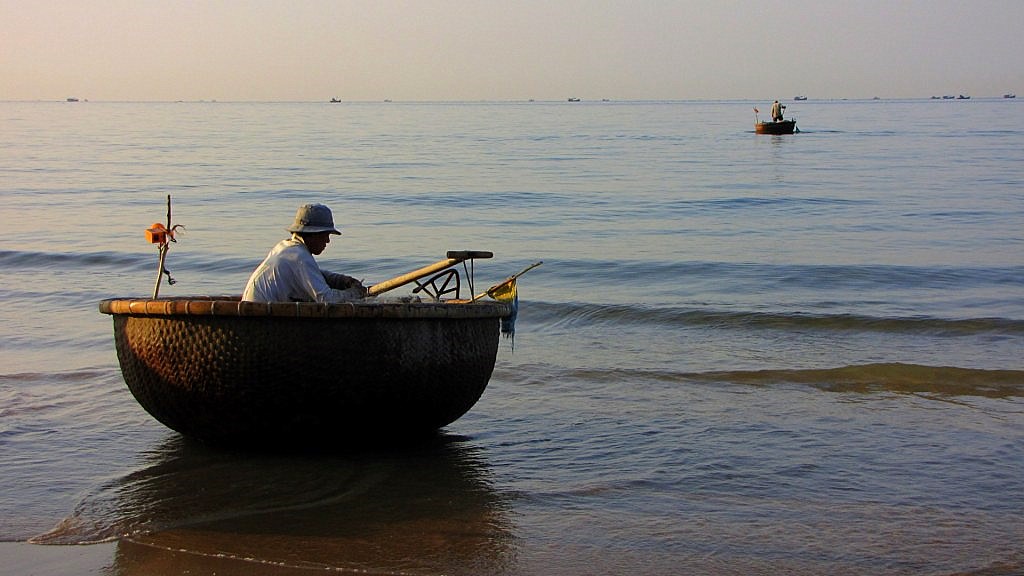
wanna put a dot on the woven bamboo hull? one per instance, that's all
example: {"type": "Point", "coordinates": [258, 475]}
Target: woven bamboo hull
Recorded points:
{"type": "Point", "coordinates": [234, 372]}
{"type": "Point", "coordinates": [781, 127]}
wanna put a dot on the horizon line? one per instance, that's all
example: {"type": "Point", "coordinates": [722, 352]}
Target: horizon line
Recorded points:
{"type": "Point", "coordinates": [571, 100]}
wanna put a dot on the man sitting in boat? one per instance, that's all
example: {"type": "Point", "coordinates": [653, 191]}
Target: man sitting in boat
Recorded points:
{"type": "Point", "coordinates": [290, 273]}
{"type": "Point", "coordinates": [777, 111]}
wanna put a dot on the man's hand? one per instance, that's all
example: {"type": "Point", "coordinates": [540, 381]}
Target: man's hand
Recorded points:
{"type": "Point", "coordinates": [343, 282]}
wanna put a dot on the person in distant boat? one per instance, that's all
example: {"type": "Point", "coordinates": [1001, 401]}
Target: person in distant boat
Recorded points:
{"type": "Point", "coordinates": [777, 110]}
{"type": "Point", "coordinates": [290, 273]}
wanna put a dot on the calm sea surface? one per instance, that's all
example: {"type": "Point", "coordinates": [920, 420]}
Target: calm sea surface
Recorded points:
{"type": "Point", "coordinates": [797, 354]}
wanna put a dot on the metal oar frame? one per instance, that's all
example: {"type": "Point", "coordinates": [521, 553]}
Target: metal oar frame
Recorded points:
{"type": "Point", "coordinates": [444, 280]}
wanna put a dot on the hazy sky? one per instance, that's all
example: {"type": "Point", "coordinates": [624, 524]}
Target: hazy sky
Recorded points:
{"type": "Point", "coordinates": [508, 49]}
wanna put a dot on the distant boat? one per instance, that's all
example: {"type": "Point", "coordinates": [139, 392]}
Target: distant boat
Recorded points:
{"type": "Point", "coordinates": [1009, 95]}
{"type": "Point", "coordinates": [962, 97]}
{"type": "Point", "coordinates": [948, 97]}
{"type": "Point", "coordinates": [574, 99]}
{"type": "Point", "coordinates": [72, 99]}
{"type": "Point", "coordinates": [799, 98]}
{"type": "Point", "coordinates": [780, 127]}
{"type": "Point", "coordinates": [335, 100]}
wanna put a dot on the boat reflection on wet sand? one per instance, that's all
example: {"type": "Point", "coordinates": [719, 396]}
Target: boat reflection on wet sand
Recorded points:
{"type": "Point", "coordinates": [192, 508]}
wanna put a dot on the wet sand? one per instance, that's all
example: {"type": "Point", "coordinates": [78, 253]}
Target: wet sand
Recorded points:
{"type": "Point", "coordinates": [24, 559]}
{"type": "Point", "coordinates": [109, 558]}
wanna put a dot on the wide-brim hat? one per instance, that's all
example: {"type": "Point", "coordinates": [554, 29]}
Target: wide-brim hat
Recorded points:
{"type": "Point", "coordinates": [313, 218]}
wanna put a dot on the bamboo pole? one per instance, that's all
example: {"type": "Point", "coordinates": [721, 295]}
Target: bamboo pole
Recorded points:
{"type": "Point", "coordinates": [507, 280]}
{"type": "Point", "coordinates": [163, 252]}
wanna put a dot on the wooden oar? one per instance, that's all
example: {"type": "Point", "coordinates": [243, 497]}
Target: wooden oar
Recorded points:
{"type": "Point", "coordinates": [454, 257]}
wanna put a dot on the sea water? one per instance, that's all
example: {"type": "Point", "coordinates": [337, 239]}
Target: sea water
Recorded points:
{"type": "Point", "coordinates": [742, 353]}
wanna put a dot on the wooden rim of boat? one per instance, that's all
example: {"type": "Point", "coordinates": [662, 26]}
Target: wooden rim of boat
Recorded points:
{"type": "Point", "coordinates": [233, 306]}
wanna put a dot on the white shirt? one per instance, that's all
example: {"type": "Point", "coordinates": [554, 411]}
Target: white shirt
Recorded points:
{"type": "Point", "coordinates": [290, 274]}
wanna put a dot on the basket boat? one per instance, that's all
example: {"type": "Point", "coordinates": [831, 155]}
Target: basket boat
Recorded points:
{"type": "Point", "coordinates": [226, 371]}
{"type": "Point", "coordinates": [780, 127]}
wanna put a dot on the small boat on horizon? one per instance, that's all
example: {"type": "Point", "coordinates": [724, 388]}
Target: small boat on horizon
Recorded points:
{"type": "Point", "coordinates": [1009, 95]}
{"type": "Point", "coordinates": [799, 98]}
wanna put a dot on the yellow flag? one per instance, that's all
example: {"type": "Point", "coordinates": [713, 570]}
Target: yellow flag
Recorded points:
{"type": "Point", "coordinates": [504, 292]}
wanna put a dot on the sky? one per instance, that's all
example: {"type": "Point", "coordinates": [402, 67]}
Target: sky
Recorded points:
{"type": "Point", "coordinates": [428, 50]}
